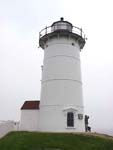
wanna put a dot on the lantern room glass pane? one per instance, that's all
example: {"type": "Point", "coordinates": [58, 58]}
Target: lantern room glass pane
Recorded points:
{"type": "Point", "coordinates": [62, 26]}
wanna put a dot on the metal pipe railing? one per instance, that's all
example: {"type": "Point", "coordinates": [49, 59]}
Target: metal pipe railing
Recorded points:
{"type": "Point", "coordinates": [49, 29]}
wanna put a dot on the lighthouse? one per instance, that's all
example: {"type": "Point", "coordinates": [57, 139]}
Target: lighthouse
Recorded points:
{"type": "Point", "coordinates": [61, 105]}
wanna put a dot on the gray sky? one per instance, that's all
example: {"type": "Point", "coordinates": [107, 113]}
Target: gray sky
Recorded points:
{"type": "Point", "coordinates": [20, 57]}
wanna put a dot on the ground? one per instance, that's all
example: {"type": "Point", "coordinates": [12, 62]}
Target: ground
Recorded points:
{"type": "Point", "coordinates": [55, 141]}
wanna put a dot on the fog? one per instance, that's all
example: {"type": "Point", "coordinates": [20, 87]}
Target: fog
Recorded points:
{"type": "Point", "coordinates": [20, 57]}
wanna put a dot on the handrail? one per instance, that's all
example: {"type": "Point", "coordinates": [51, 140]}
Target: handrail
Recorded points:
{"type": "Point", "coordinates": [75, 30]}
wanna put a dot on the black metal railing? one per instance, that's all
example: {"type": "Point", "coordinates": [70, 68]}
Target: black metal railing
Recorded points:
{"type": "Point", "coordinates": [50, 29]}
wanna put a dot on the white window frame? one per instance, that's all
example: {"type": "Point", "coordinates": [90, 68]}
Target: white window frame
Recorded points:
{"type": "Point", "coordinates": [74, 111]}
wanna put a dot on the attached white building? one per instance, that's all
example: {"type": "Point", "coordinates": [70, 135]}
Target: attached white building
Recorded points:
{"type": "Point", "coordinates": [30, 116]}
{"type": "Point", "coordinates": [61, 105]}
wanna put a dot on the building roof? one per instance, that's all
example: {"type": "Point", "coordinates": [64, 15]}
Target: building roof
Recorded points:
{"type": "Point", "coordinates": [31, 105]}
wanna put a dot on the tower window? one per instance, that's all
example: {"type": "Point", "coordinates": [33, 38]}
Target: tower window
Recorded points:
{"type": "Point", "coordinates": [70, 119]}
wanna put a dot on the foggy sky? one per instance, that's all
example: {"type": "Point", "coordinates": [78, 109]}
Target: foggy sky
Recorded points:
{"type": "Point", "coordinates": [20, 57]}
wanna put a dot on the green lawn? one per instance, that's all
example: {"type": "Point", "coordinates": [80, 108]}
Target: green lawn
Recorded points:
{"type": "Point", "coordinates": [53, 141]}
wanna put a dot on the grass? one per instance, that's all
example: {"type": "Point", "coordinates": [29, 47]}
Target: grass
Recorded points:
{"type": "Point", "coordinates": [54, 141]}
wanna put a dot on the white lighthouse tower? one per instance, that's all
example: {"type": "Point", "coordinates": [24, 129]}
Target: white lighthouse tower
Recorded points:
{"type": "Point", "coordinates": [61, 106]}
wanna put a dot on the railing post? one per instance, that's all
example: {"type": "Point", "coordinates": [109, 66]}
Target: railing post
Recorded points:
{"type": "Point", "coordinates": [39, 34]}
{"type": "Point", "coordinates": [81, 32]}
{"type": "Point", "coordinates": [46, 30]}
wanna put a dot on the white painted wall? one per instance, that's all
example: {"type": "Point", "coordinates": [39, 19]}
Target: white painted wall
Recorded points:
{"type": "Point", "coordinates": [29, 120]}
{"type": "Point", "coordinates": [61, 85]}
{"type": "Point", "coordinates": [8, 126]}
{"type": "Point", "coordinates": [54, 119]}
